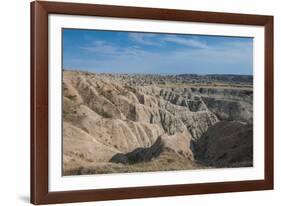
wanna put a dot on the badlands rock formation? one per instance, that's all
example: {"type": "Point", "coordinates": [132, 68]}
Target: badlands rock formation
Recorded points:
{"type": "Point", "coordinates": [226, 144]}
{"type": "Point", "coordinates": [124, 123]}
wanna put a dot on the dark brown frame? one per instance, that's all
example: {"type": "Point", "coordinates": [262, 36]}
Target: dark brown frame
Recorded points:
{"type": "Point", "coordinates": [39, 102]}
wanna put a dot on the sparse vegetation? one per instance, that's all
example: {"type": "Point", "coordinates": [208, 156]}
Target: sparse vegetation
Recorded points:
{"type": "Point", "coordinates": [126, 114]}
{"type": "Point", "coordinates": [105, 114]}
{"type": "Point", "coordinates": [71, 97]}
{"type": "Point", "coordinates": [165, 162]}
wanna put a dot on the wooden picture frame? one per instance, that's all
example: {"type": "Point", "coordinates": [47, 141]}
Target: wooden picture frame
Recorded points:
{"type": "Point", "coordinates": [40, 107]}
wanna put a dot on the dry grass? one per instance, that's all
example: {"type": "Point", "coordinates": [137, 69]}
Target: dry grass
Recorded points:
{"type": "Point", "coordinates": [167, 161]}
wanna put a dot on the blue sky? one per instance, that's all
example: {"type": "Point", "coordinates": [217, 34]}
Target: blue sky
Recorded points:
{"type": "Point", "coordinates": [137, 52]}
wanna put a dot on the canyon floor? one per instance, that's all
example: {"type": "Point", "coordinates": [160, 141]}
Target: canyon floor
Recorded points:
{"type": "Point", "coordinates": [116, 123]}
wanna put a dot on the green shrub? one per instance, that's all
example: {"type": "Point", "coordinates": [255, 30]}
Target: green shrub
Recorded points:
{"type": "Point", "coordinates": [71, 97]}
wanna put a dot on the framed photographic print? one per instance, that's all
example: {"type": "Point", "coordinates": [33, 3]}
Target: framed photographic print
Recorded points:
{"type": "Point", "coordinates": [131, 102]}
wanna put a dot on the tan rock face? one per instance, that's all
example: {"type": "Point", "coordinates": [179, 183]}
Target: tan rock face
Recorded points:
{"type": "Point", "coordinates": [103, 118]}
{"type": "Point", "coordinates": [226, 144]}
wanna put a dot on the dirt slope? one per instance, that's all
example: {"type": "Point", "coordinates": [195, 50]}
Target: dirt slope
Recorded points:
{"type": "Point", "coordinates": [108, 119]}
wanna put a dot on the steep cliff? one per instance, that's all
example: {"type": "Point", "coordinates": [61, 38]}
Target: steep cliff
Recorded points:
{"type": "Point", "coordinates": [108, 122]}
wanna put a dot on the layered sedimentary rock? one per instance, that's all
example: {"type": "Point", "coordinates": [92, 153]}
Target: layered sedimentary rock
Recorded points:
{"type": "Point", "coordinates": [107, 121]}
{"type": "Point", "coordinates": [226, 144]}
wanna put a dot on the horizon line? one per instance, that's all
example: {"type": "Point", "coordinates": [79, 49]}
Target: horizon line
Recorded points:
{"type": "Point", "coordinates": [160, 74]}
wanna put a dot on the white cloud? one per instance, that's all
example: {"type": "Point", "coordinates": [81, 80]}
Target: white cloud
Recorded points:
{"type": "Point", "coordinates": [113, 51]}
{"type": "Point", "coordinates": [230, 57]}
{"type": "Point", "coordinates": [143, 38]}
{"type": "Point", "coordinates": [149, 39]}
{"type": "Point", "coordinates": [101, 47]}
{"type": "Point", "coordinates": [186, 42]}
{"type": "Point", "coordinates": [180, 61]}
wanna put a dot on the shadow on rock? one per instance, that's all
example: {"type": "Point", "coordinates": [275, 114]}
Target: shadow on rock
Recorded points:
{"type": "Point", "coordinates": [225, 144]}
{"type": "Point", "coordinates": [140, 154]}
